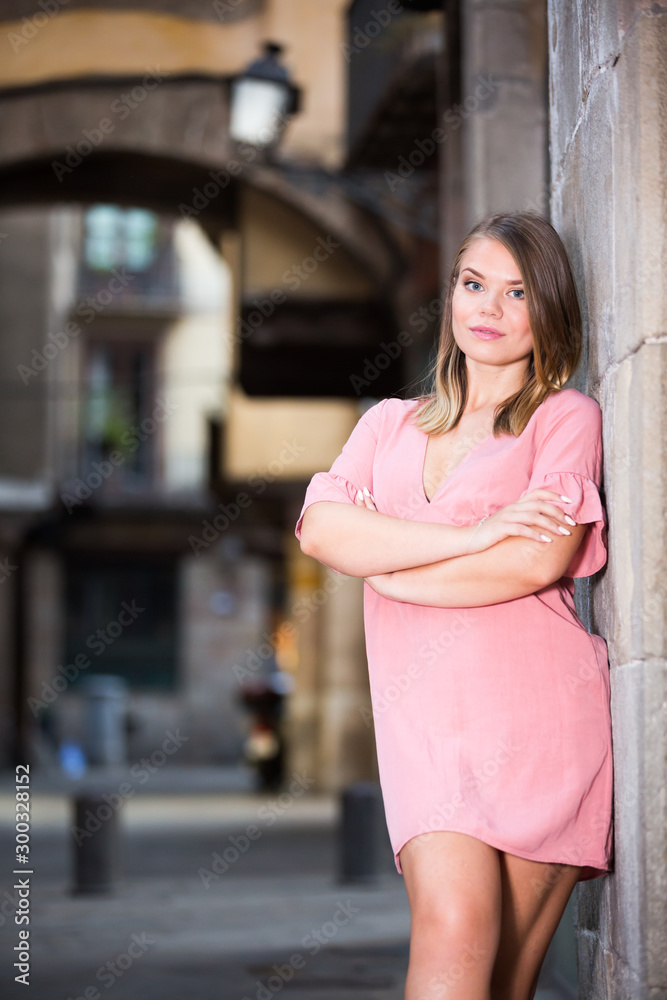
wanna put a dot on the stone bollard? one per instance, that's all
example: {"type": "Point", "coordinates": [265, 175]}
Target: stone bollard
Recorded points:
{"type": "Point", "coordinates": [359, 832]}
{"type": "Point", "coordinates": [96, 842]}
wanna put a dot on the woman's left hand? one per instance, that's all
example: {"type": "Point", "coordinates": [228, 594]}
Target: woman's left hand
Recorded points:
{"type": "Point", "coordinates": [381, 582]}
{"type": "Point", "coordinates": [364, 498]}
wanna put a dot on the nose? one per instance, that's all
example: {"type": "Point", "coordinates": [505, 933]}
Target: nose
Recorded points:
{"type": "Point", "coordinates": [490, 305]}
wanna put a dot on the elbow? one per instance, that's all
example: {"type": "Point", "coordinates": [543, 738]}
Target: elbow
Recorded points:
{"type": "Point", "coordinates": [305, 541]}
{"type": "Point", "coordinates": [531, 565]}
{"type": "Point", "coordinates": [550, 577]}
{"type": "Point", "coordinates": [531, 568]}
{"type": "Point", "coordinates": [540, 576]}
{"type": "Point", "coordinates": [546, 573]}
{"type": "Point", "coordinates": [556, 562]}
{"type": "Point", "coordinates": [323, 541]}
{"type": "Point", "coordinates": [308, 535]}
{"type": "Point", "coordinates": [307, 546]}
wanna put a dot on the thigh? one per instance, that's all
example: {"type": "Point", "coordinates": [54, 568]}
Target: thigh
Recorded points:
{"type": "Point", "coordinates": [437, 866]}
{"type": "Point", "coordinates": [454, 890]}
{"type": "Point", "coordinates": [534, 897]}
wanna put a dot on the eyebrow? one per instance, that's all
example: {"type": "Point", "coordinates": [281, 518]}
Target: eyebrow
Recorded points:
{"type": "Point", "coordinates": [517, 281]}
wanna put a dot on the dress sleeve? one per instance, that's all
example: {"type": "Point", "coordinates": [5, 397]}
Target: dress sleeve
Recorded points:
{"type": "Point", "coordinates": [568, 459]}
{"type": "Point", "coordinates": [352, 470]}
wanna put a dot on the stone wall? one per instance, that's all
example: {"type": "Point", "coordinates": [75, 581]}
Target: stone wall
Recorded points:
{"type": "Point", "coordinates": [608, 89]}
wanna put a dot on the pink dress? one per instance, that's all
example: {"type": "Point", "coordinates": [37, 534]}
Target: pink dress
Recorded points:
{"type": "Point", "coordinates": [492, 721]}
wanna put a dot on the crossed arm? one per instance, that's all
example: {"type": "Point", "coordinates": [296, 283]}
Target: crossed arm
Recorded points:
{"type": "Point", "coordinates": [513, 567]}
{"type": "Point", "coordinates": [408, 561]}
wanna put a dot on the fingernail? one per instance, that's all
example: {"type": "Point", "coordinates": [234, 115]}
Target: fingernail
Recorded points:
{"type": "Point", "coordinates": [367, 491]}
{"type": "Point", "coordinates": [545, 538]}
{"type": "Point", "coordinates": [569, 519]}
{"type": "Point", "coordinates": [563, 530]}
{"type": "Point", "coordinates": [359, 496]}
{"type": "Point", "coordinates": [566, 499]}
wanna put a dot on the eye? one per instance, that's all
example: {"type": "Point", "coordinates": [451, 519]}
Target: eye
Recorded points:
{"type": "Point", "coordinates": [471, 281]}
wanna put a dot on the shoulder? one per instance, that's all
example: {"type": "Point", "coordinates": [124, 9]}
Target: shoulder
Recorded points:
{"type": "Point", "coordinates": [572, 399]}
{"type": "Point", "coordinates": [392, 410]}
{"type": "Point", "coordinates": [570, 405]}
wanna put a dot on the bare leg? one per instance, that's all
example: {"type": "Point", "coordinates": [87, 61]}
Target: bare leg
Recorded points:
{"type": "Point", "coordinates": [534, 896]}
{"type": "Point", "coordinates": [454, 889]}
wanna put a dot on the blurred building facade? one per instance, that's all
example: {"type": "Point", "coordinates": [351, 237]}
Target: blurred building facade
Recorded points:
{"type": "Point", "coordinates": [288, 291]}
{"type": "Point", "coordinates": [245, 308]}
{"type": "Point", "coordinates": [122, 390]}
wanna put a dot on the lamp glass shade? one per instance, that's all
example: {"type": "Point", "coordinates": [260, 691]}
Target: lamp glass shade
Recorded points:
{"type": "Point", "coordinates": [257, 110]}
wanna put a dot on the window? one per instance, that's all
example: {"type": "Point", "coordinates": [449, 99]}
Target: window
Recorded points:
{"type": "Point", "coordinates": [118, 400]}
{"type": "Point", "coordinates": [136, 245]}
{"type": "Point", "coordinates": [117, 237]}
{"type": "Point", "coordinates": [122, 615]}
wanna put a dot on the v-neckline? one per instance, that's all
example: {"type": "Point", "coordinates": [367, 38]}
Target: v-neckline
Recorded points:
{"type": "Point", "coordinates": [454, 470]}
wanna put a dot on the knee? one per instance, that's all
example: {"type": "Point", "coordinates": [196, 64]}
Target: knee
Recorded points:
{"type": "Point", "coordinates": [452, 952]}
{"type": "Point", "coordinates": [466, 930]}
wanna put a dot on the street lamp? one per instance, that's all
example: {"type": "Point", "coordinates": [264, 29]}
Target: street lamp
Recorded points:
{"type": "Point", "coordinates": [261, 99]}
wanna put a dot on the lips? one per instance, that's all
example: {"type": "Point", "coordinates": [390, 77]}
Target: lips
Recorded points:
{"type": "Point", "coordinates": [486, 332]}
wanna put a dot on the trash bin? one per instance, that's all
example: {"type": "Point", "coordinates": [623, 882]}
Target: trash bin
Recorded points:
{"type": "Point", "coordinates": [105, 710]}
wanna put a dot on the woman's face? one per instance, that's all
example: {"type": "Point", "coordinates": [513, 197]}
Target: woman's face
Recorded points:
{"type": "Point", "coordinates": [489, 293]}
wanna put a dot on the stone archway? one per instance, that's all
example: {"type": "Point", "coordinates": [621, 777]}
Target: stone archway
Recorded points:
{"type": "Point", "coordinates": [160, 140]}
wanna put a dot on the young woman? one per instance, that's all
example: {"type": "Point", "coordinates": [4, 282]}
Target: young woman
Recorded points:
{"type": "Point", "coordinates": [469, 511]}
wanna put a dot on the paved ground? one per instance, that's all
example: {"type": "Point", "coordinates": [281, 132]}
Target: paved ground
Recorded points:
{"type": "Point", "coordinates": [275, 922]}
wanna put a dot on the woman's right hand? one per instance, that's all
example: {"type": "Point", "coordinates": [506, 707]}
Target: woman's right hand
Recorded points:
{"type": "Point", "coordinates": [527, 517]}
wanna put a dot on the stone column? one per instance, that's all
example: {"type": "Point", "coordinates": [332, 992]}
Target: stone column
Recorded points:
{"type": "Point", "coordinates": [330, 730]}
{"type": "Point", "coordinates": [301, 723]}
{"type": "Point", "coordinates": [346, 735]}
{"type": "Point", "coordinates": [502, 108]}
{"type": "Point", "coordinates": [608, 132]}
{"type": "Point", "coordinates": [452, 204]}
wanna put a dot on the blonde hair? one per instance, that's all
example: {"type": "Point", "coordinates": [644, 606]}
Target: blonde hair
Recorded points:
{"type": "Point", "coordinates": [555, 322]}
